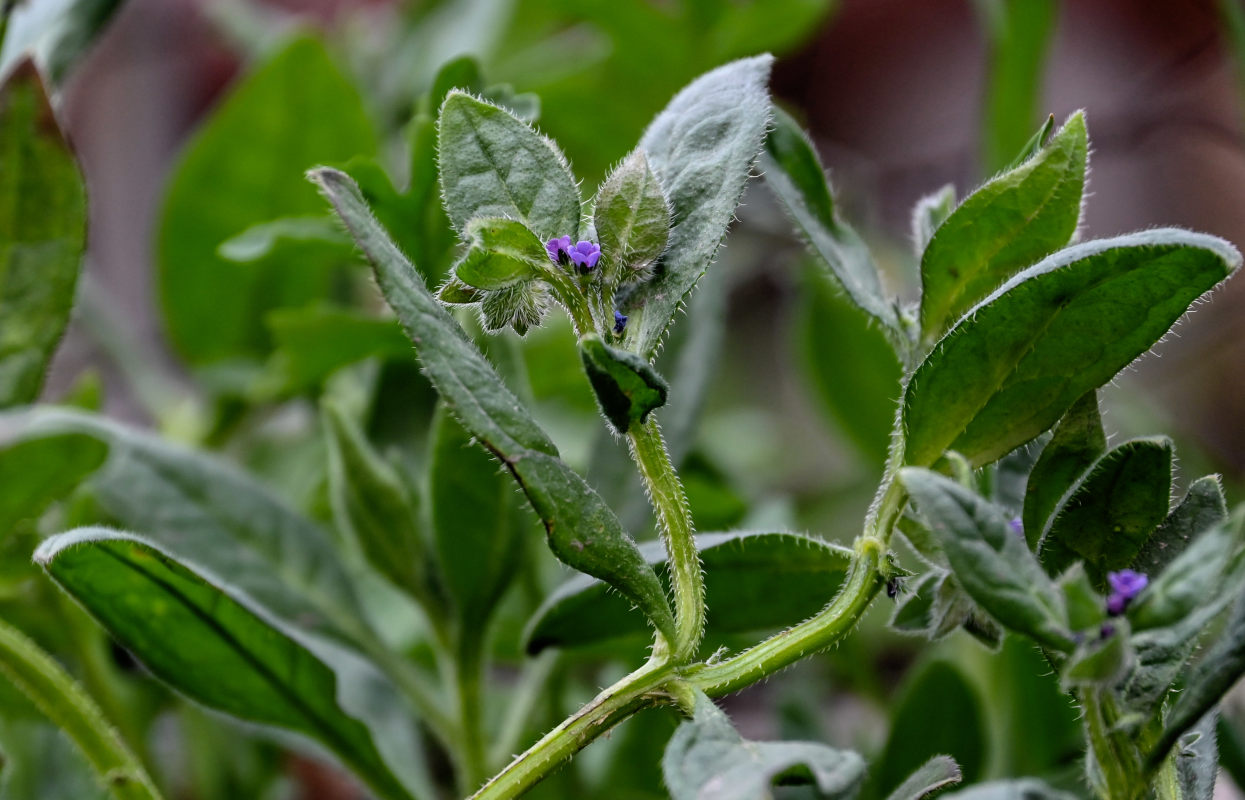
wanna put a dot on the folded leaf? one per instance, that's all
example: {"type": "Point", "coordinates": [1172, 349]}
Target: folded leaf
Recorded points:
{"type": "Point", "coordinates": [42, 234]}
{"type": "Point", "coordinates": [627, 387]}
{"type": "Point", "coordinates": [753, 581]}
{"type": "Point", "coordinates": [632, 217]}
{"type": "Point", "coordinates": [1077, 443]}
{"type": "Point", "coordinates": [934, 775]}
{"type": "Point", "coordinates": [795, 174]}
{"type": "Point", "coordinates": [495, 165]}
{"type": "Point", "coordinates": [582, 530]}
{"type": "Point", "coordinates": [1106, 518]}
{"type": "Point", "coordinates": [1013, 367]}
{"type": "Point", "coordinates": [702, 148]}
{"type": "Point", "coordinates": [707, 759]}
{"type": "Point", "coordinates": [929, 212]}
{"type": "Point", "coordinates": [989, 559]}
{"type": "Point", "coordinates": [206, 639]}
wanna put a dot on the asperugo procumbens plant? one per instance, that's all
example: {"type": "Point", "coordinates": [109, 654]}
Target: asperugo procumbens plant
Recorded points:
{"type": "Point", "coordinates": [243, 605]}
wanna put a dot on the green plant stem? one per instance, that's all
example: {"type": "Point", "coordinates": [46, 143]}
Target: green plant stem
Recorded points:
{"type": "Point", "coordinates": [611, 706]}
{"type": "Point", "coordinates": [468, 684]}
{"type": "Point", "coordinates": [674, 518]}
{"type": "Point", "coordinates": [573, 299]}
{"type": "Point", "coordinates": [64, 702]}
{"type": "Point", "coordinates": [831, 624]}
{"type": "Point", "coordinates": [1110, 757]}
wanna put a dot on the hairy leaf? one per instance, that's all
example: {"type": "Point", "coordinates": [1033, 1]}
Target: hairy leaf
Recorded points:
{"type": "Point", "coordinates": [1202, 508]}
{"type": "Point", "coordinates": [930, 212]}
{"type": "Point", "coordinates": [1077, 443]}
{"type": "Point", "coordinates": [702, 148]}
{"type": "Point", "coordinates": [503, 252]}
{"type": "Point", "coordinates": [631, 216]}
{"type": "Point", "coordinates": [627, 387]}
{"type": "Point", "coordinates": [933, 776]}
{"type": "Point", "coordinates": [1013, 367]}
{"type": "Point", "coordinates": [42, 234]}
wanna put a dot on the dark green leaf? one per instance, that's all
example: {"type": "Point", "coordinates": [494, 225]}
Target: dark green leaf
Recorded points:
{"type": "Point", "coordinates": [934, 775]}
{"type": "Point", "coordinates": [794, 172]}
{"type": "Point", "coordinates": [316, 341]}
{"type": "Point", "coordinates": [1107, 516]}
{"type": "Point", "coordinates": [1019, 33]}
{"type": "Point", "coordinates": [208, 640]}
{"type": "Point", "coordinates": [244, 167]}
{"type": "Point", "coordinates": [503, 252]}
{"type": "Point", "coordinates": [1202, 508]}
{"type": "Point", "coordinates": [1086, 607]}
{"type": "Point", "coordinates": [40, 471]}
{"type": "Point", "coordinates": [582, 530]}
{"type": "Point", "coordinates": [57, 33]}
{"type": "Point", "coordinates": [702, 148]}
{"type": "Point", "coordinates": [42, 234]}
{"type": "Point", "coordinates": [627, 387]}
{"type": "Point", "coordinates": [372, 505]}
{"type": "Point", "coordinates": [753, 581]}
{"type": "Point", "coordinates": [1077, 443]}
{"type": "Point", "coordinates": [1003, 227]}
{"type": "Point", "coordinates": [989, 559]}
{"type": "Point", "coordinates": [930, 212]}
{"type": "Point", "coordinates": [914, 609]}
{"type": "Point", "coordinates": [632, 217]}
{"type": "Point", "coordinates": [707, 759]}
{"type": "Point", "coordinates": [1102, 662]}
{"type": "Point", "coordinates": [938, 711]}
{"type": "Point", "coordinates": [477, 520]}
{"type": "Point", "coordinates": [494, 165]}
{"type": "Point", "coordinates": [1011, 369]}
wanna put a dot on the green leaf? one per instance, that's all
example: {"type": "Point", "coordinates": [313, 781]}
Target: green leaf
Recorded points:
{"type": "Point", "coordinates": [260, 241]}
{"type": "Point", "coordinates": [40, 761]}
{"type": "Point", "coordinates": [753, 581]}
{"type": "Point", "coordinates": [1110, 512]}
{"type": "Point", "coordinates": [1086, 607]}
{"type": "Point", "coordinates": [914, 609]}
{"type": "Point", "coordinates": [1202, 508]}
{"type": "Point", "coordinates": [495, 165]}
{"type": "Point", "coordinates": [316, 341]}
{"type": "Point", "coordinates": [707, 759]}
{"type": "Point", "coordinates": [1024, 789]}
{"type": "Point", "coordinates": [37, 472]}
{"type": "Point", "coordinates": [1012, 368]}
{"type": "Point", "coordinates": [582, 531]}
{"type": "Point", "coordinates": [477, 520]}
{"type": "Point", "coordinates": [42, 234]}
{"type": "Point", "coordinates": [631, 217]}
{"type": "Point", "coordinates": [702, 148]}
{"type": "Point", "coordinates": [627, 387]}
{"type": "Point", "coordinates": [1077, 443]}
{"type": "Point", "coordinates": [992, 563]}
{"type": "Point", "coordinates": [930, 212]}
{"type": "Point", "coordinates": [372, 505]}
{"type": "Point", "coordinates": [931, 777]}
{"type": "Point", "coordinates": [1035, 144]}
{"type": "Point", "coordinates": [56, 33]}
{"type": "Point", "coordinates": [1019, 33]}
{"type": "Point", "coordinates": [793, 171]}
{"type": "Point", "coordinates": [521, 306]}
{"type": "Point", "coordinates": [937, 712]}
{"type": "Point", "coordinates": [1101, 663]}
{"type": "Point", "coordinates": [503, 252]}
{"type": "Point", "coordinates": [1008, 224]}
{"type": "Point", "coordinates": [209, 640]}
{"type": "Point", "coordinates": [244, 168]}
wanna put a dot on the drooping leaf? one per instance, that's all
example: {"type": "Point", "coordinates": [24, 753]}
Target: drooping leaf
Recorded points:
{"type": "Point", "coordinates": [794, 172]}
{"type": "Point", "coordinates": [1111, 511]}
{"type": "Point", "coordinates": [1010, 223]}
{"type": "Point", "coordinates": [202, 636]}
{"type": "Point", "coordinates": [627, 387]}
{"type": "Point", "coordinates": [42, 234]}
{"type": "Point", "coordinates": [582, 531]}
{"type": "Point", "coordinates": [929, 212]}
{"type": "Point", "coordinates": [989, 559]}
{"type": "Point", "coordinates": [933, 776]}
{"type": "Point", "coordinates": [707, 759]}
{"type": "Point", "coordinates": [56, 33]}
{"type": "Point", "coordinates": [631, 217]}
{"type": "Point", "coordinates": [244, 167]}
{"type": "Point", "coordinates": [477, 520]}
{"type": "Point", "coordinates": [372, 505]}
{"type": "Point", "coordinates": [1012, 368]}
{"type": "Point", "coordinates": [37, 472]}
{"type": "Point", "coordinates": [1077, 443]}
{"type": "Point", "coordinates": [495, 165]}
{"type": "Point", "coordinates": [701, 148]}
{"type": "Point", "coordinates": [1202, 508]}
{"type": "Point", "coordinates": [753, 581]}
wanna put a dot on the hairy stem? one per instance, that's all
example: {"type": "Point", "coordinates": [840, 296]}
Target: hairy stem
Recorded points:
{"type": "Point", "coordinates": [57, 695]}
{"type": "Point", "coordinates": [674, 518]}
{"type": "Point", "coordinates": [468, 677]}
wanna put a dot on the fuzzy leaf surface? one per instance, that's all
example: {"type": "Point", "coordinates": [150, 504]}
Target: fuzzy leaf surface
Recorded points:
{"type": "Point", "coordinates": [1077, 443]}
{"type": "Point", "coordinates": [631, 216]}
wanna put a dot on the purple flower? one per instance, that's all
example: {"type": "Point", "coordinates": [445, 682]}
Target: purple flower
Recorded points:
{"type": "Point", "coordinates": [1017, 526]}
{"type": "Point", "coordinates": [559, 250]}
{"type": "Point", "coordinates": [1125, 585]}
{"type": "Point", "coordinates": [585, 254]}
{"type": "Point", "coordinates": [620, 322]}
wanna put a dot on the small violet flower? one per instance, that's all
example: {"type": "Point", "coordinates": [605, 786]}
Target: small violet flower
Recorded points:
{"type": "Point", "coordinates": [559, 250]}
{"type": "Point", "coordinates": [1017, 526]}
{"type": "Point", "coordinates": [620, 322]}
{"type": "Point", "coordinates": [585, 254]}
{"type": "Point", "coordinates": [1125, 585]}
